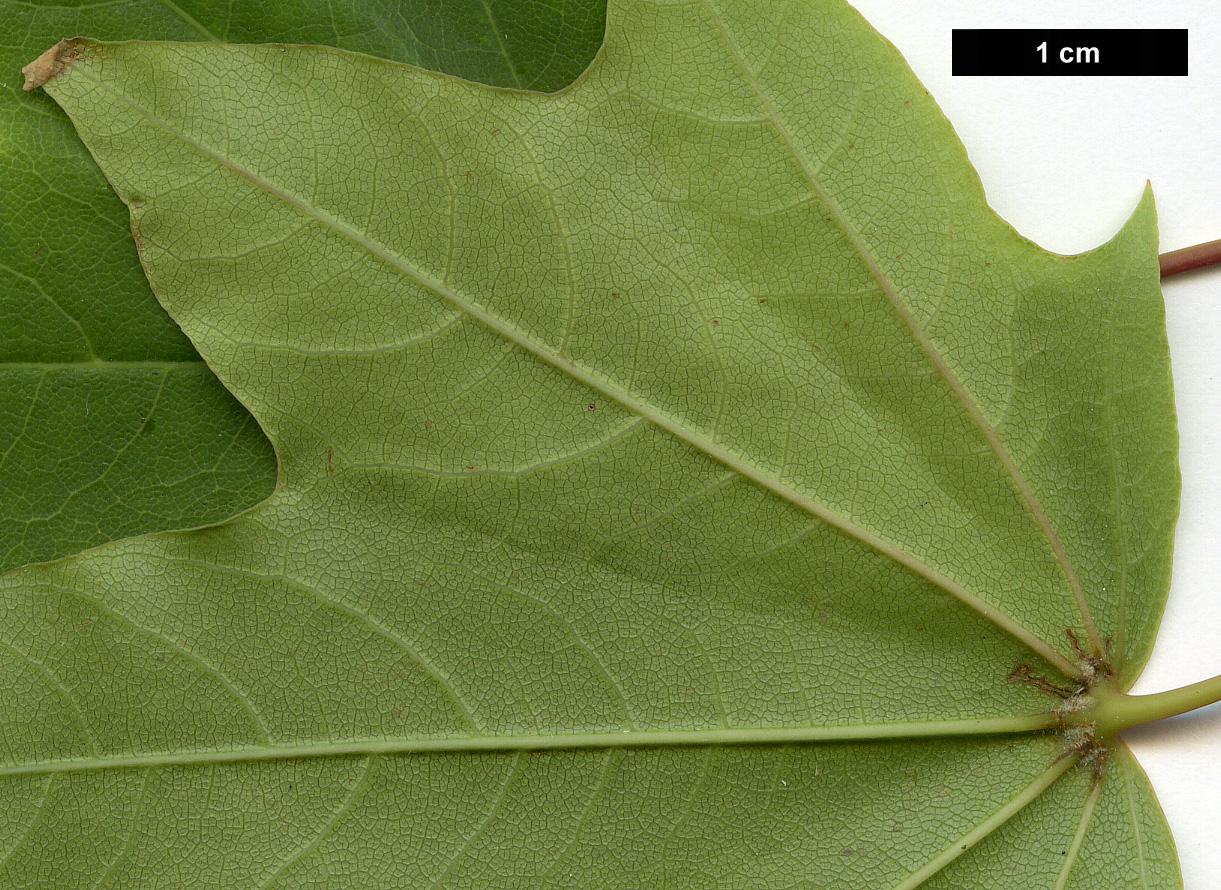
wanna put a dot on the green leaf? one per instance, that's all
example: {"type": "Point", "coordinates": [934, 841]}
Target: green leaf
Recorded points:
{"type": "Point", "coordinates": [110, 424]}
{"type": "Point", "coordinates": [678, 478]}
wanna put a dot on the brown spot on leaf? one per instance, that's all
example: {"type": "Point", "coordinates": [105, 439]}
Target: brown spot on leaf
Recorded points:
{"type": "Point", "coordinates": [49, 64]}
{"type": "Point", "coordinates": [1023, 674]}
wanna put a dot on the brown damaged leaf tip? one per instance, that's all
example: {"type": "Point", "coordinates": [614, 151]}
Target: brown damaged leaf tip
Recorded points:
{"type": "Point", "coordinates": [49, 64]}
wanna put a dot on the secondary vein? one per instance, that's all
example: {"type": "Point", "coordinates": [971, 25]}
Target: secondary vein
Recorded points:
{"type": "Point", "coordinates": [1014, 805]}
{"type": "Point", "coordinates": [1074, 848]}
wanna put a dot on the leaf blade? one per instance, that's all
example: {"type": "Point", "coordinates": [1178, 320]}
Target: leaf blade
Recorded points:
{"type": "Point", "coordinates": [357, 555]}
{"type": "Point", "coordinates": [539, 341]}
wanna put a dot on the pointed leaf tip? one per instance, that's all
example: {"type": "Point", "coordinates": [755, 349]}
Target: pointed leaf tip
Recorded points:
{"type": "Point", "coordinates": [49, 64]}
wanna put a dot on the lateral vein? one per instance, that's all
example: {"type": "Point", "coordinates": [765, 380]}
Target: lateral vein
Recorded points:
{"type": "Point", "coordinates": [1074, 848]}
{"type": "Point", "coordinates": [1013, 806]}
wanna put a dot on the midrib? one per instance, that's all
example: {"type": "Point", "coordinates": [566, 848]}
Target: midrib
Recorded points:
{"type": "Point", "coordinates": [1027, 723]}
{"type": "Point", "coordinates": [610, 390]}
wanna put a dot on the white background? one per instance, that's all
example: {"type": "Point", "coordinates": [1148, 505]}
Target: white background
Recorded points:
{"type": "Point", "coordinates": [1064, 160]}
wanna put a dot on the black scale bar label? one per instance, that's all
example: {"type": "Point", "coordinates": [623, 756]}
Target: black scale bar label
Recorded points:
{"type": "Point", "coordinates": [1091, 52]}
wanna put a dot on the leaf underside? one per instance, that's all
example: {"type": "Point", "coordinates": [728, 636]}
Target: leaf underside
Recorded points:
{"type": "Point", "coordinates": [704, 397]}
{"type": "Point", "coordinates": [110, 422]}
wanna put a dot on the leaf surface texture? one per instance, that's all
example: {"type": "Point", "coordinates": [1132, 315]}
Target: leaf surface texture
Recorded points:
{"type": "Point", "coordinates": [705, 399]}
{"type": "Point", "coordinates": [110, 423]}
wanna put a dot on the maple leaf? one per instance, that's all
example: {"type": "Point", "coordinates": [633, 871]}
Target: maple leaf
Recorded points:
{"type": "Point", "coordinates": [627, 437]}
